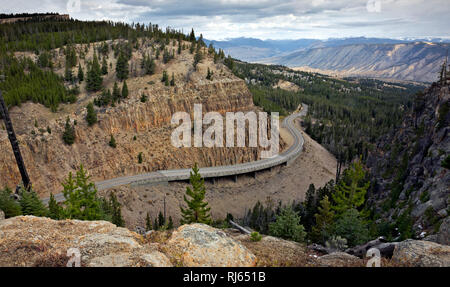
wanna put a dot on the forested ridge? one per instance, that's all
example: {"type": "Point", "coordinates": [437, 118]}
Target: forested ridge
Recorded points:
{"type": "Point", "coordinates": [345, 115]}
{"type": "Point", "coordinates": [24, 79]}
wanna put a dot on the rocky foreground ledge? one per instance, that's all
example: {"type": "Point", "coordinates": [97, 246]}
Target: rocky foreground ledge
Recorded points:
{"type": "Point", "coordinates": [38, 241]}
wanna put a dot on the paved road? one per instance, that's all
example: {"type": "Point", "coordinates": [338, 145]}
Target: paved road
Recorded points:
{"type": "Point", "coordinates": [212, 172]}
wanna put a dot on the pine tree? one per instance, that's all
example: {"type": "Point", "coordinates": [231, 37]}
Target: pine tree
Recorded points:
{"type": "Point", "coordinates": [68, 75]}
{"type": "Point", "coordinates": [116, 92]}
{"type": "Point", "coordinates": [197, 58]}
{"type": "Point", "coordinates": [287, 225]}
{"type": "Point", "coordinates": [122, 67]}
{"type": "Point", "coordinates": [161, 219]}
{"type": "Point", "coordinates": [172, 81]}
{"type": "Point", "coordinates": [310, 207]}
{"type": "Point", "coordinates": [94, 78]}
{"type": "Point", "coordinates": [55, 210]}
{"type": "Point", "coordinates": [124, 90]}
{"type": "Point", "coordinates": [166, 56]}
{"type": "Point", "coordinates": [148, 223]}
{"type": "Point", "coordinates": [192, 36]}
{"type": "Point", "coordinates": [31, 204]}
{"type": "Point", "coordinates": [148, 64]}
{"type": "Point", "coordinates": [104, 66]}
{"type": "Point", "coordinates": [8, 204]}
{"type": "Point", "coordinates": [350, 192]}
{"type": "Point", "coordinates": [155, 225]}
{"type": "Point", "coordinates": [197, 210]}
{"type": "Point", "coordinates": [69, 133]}
{"type": "Point", "coordinates": [352, 227]}
{"type": "Point", "coordinates": [324, 222]}
{"type": "Point", "coordinates": [80, 195]}
{"type": "Point", "coordinates": [164, 76]}
{"type": "Point", "coordinates": [116, 211]}
{"type": "Point", "coordinates": [209, 74]}
{"type": "Point", "coordinates": [112, 142]}
{"type": "Point", "coordinates": [80, 73]}
{"type": "Point", "coordinates": [170, 224]}
{"type": "Point", "coordinates": [140, 157]}
{"type": "Point", "coordinates": [91, 115]}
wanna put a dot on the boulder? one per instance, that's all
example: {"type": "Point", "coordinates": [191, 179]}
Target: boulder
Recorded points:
{"type": "Point", "coordinates": [202, 245]}
{"type": "Point", "coordinates": [443, 236]}
{"type": "Point", "coordinates": [2, 215]}
{"type": "Point", "coordinates": [339, 259]}
{"type": "Point", "coordinates": [40, 241]}
{"type": "Point", "coordinates": [421, 253]}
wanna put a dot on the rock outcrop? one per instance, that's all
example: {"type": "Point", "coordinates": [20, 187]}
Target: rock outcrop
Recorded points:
{"type": "Point", "coordinates": [421, 253]}
{"type": "Point", "coordinates": [201, 245]}
{"type": "Point", "coordinates": [39, 241]}
{"type": "Point", "coordinates": [443, 236]}
{"type": "Point", "coordinates": [2, 215]}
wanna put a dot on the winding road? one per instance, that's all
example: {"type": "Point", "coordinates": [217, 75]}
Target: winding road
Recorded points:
{"type": "Point", "coordinates": [213, 172]}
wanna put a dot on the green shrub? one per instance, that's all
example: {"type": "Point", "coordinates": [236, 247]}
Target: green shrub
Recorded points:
{"type": "Point", "coordinates": [446, 162]}
{"type": "Point", "coordinates": [425, 196]}
{"type": "Point", "coordinates": [31, 204]}
{"type": "Point", "coordinates": [91, 116]}
{"type": "Point", "coordinates": [112, 142]}
{"type": "Point", "coordinates": [255, 236]}
{"type": "Point", "coordinates": [287, 226]}
{"type": "Point", "coordinates": [351, 227]}
{"type": "Point", "coordinates": [7, 203]}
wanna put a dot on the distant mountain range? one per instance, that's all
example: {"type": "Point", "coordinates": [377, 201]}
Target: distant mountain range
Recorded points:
{"type": "Point", "coordinates": [411, 59]}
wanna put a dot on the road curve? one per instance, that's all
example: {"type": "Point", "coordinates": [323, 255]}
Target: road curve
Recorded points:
{"type": "Point", "coordinates": [212, 172]}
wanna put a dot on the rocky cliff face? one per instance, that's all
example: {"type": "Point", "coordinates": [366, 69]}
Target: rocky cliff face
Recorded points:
{"type": "Point", "coordinates": [411, 180]}
{"type": "Point", "coordinates": [136, 126]}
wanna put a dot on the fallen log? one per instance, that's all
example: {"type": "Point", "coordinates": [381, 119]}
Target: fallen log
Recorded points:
{"type": "Point", "coordinates": [361, 250]}
{"type": "Point", "coordinates": [319, 248]}
{"type": "Point", "coordinates": [238, 227]}
{"type": "Point", "coordinates": [386, 248]}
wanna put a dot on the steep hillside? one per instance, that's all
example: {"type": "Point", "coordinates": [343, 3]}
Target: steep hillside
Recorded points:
{"type": "Point", "coordinates": [138, 126]}
{"type": "Point", "coordinates": [411, 168]}
{"type": "Point", "coordinates": [407, 61]}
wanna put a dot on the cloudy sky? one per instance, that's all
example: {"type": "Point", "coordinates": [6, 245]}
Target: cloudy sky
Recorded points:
{"type": "Point", "coordinates": [264, 19]}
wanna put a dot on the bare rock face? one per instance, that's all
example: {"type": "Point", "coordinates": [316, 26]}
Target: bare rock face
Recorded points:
{"type": "Point", "coordinates": [38, 241]}
{"type": "Point", "coordinates": [201, 245]}
{"type": "Point", "coordinates": [339, 259]}
{"type": "Point", "coordinates": [423, 143]}
{"type": "Point", "coordinates": [422, 253]}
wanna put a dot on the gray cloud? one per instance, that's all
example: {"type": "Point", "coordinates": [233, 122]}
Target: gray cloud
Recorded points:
{"type": "Point", "coordinates": [274, 19]}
